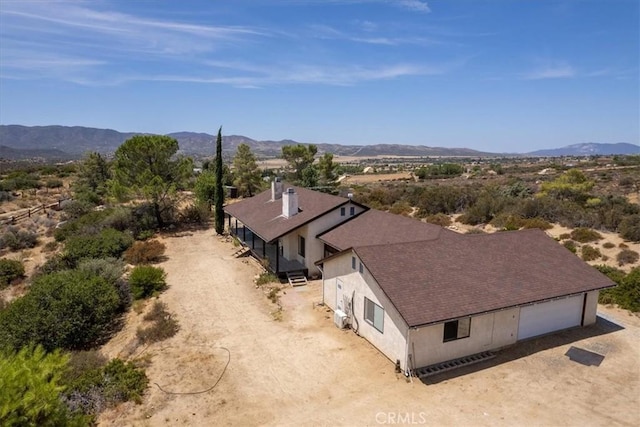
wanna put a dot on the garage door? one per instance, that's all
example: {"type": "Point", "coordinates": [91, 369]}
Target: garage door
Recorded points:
{"type": "Point", "coordinates": [539, 319]}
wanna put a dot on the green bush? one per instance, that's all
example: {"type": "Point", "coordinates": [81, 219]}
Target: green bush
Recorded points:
{"type": "Point", "coordinates": [97, 388]}
{"type": "Point", "coordinates": [197, 213]}
{"type": "Point", "coordinates": [110, 269]}
{"type": "Point", "coordinates": [571, 245]}
{"type": "Point", "coordinates": [629, 228]}
{"type": "Point", "coordinates": [53, 183]}
{"type": "Point", "coordinates": [584, 235]}
{"type": "Point", "coordinates": [145, 252]}
{"type": "Point", "coordinates": [608, 245]}
{"type": "Point", "coordinates": [108, 243]}
{"type": "Point", "coordinates": [10, 270]}
{"type": "Point", "coordinates": [69, 309]}
{"type": "Point", "coordinates": [31, 387]}
{"type": "Point", "coordinates": [589, 253]}
{"type": "Point", "coordinates": [627, 293]}
{"type": "Point", "coordinates": [164, 326]}
{"type": "Point", "coordinates": [627, 256]}
{"type": "Point", "coordinates": [537, 223]}
{"type": "Point", "coordinates": [15, 239]}
{"type": "Point", "coordinates": [265, 278]}
{"type": "Point", "coordinates": [146, 280]}
{"type": "Point", "coordinates": [86, 223]}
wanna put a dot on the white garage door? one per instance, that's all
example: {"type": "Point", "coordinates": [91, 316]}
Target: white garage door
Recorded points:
{"type": "Point", "coordinates": [539, 319]}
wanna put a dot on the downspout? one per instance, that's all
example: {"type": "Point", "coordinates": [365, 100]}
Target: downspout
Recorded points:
{"type": "Point", "coordinates": [406, 356]}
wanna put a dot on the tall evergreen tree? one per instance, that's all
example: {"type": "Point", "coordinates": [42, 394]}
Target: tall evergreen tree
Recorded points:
{"type": "Point", "coordinates": [218, 196]}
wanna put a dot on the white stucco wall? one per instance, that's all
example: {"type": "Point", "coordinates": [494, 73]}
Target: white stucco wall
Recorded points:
{"type": "Point", "coordinates": [314, 250]}
{"type": "Point", "coordinates": [488, 332]}
{"type": "Point", "coordinates": [590, 308]}
{"type": "Point", "coordinates": [392, 340]}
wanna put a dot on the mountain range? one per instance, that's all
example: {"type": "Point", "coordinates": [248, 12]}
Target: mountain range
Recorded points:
{"type": "Point", "coordinates": [68, 142]}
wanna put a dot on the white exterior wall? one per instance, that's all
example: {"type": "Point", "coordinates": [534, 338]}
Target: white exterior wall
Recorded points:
{"type": "Point", "coordinates": [392, 341]}
{"type": "Point", "coordinates": [590, 308]}
{"type": "Point", "coordinates": [314, 250]}
{"type": "Point", "coordinates": [488, 332]}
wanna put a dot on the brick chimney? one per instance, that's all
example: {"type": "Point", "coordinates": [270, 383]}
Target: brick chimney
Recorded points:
{"type": "Point", "coordinates": [276, 189]}
{"type": "Point", "coordinates": [289, 203]}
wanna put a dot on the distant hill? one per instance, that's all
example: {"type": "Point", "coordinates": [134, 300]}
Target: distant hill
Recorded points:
{"type": "Point", "coordinates": [589, 149]}
{"type": "Point", "coordinates": [63, 142]}
{"type": "Point", "coordinates": [77, 140]}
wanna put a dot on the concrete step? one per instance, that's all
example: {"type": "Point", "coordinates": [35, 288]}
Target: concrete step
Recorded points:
{"type": "Point", "coordinates": [439, 368]}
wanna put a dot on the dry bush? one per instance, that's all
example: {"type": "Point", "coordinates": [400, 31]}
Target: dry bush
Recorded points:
{"type": "Point", "coordinates": [627, 256]}
{"type": "Point", "coordinates": [584, 235]}
{"type": "Point", "coordinates": [439, 219]}
{"type": "Point", "coordinates": [145, 252]}
{"type": "Point", "coordinates": [164, 325]}
{"type": "Point", "coordinates": [537, 223]}
{"type": "Point", "coordinates": [608, 245]}
{"type": "Point", "coordinates": [565, 236]}
{"type": "Point", "coordinates": [571, 245]}
{"type": "Point", "coordinates": [589, 253]}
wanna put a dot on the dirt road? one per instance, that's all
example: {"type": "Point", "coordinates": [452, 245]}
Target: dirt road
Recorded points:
{"type": "Point", "coordinates": [304, 371]}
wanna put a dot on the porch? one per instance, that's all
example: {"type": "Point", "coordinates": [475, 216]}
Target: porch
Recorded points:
{"type": "Point", "coordinates": [270, 254]}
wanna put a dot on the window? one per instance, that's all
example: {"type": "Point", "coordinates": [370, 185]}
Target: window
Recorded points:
{"type": "Point", "coordinates": [301, 248]}
{"type": "Point", "coordinates": [343, 211]}
{"type": "Point", "coordinates": [361, 269]}
{"type": "Point", "coordinates": [374, 314]}
{"type": "Point", "coordinates": [353, 263]}
{"type": "Point", "coordinates": [456, 329]}
{"type": "Point", "coordinates": [352, 211]}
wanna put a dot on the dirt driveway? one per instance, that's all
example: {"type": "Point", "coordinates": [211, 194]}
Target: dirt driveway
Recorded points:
{"type": "Point", "coordinates": [303, 371]}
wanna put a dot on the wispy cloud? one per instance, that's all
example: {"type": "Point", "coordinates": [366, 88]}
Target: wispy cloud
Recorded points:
{"type": "Point", "coordinates": [416, 5]}
{"type": "Point", "coordinates": [551, 71]}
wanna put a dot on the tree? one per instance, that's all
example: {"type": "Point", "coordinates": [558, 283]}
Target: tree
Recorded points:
{"type": "Point", "coordinates": [572, 185]}
{"type": "Point", "coordinates": [299, 158]}
{"type": "Point", "coordinates": [327, 169]}
{"type": "Point", "coordinates": [31, 389]}
{"type": "Point", "coordinates": [309, 177]}
{"type": "Point", "coordinates": [218, 196]}
{"type": "Point", "coordinates": [93, 175]}
{"type": "Point", "coordinates": [144, 165]}
{"type": "Point", "coordinates": [248, 178]}
{"type": "Point", "coordinates": [205, 188]}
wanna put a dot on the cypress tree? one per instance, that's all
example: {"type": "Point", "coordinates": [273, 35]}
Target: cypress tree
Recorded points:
{"type": "Point", "coordinates": [218, 196]}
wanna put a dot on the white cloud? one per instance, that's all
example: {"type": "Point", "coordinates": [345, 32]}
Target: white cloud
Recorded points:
{"type": "Point", "coordinates": [551, 71]}
{"type": "Point", "coordinates": [416, 5]}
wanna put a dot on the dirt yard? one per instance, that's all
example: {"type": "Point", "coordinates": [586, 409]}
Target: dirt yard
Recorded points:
{"type": "Point", "coordinates": [302, 370]}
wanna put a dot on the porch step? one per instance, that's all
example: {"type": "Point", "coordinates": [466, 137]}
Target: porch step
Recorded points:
{"type": "Point", "coordinates": [296, 278]}
{"type": "Point", "coordinates": [439, 368]}
{"type": "Point", "coordinates": [242, 251]}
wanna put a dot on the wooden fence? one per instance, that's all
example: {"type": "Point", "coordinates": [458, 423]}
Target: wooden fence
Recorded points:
{"type": "Point", "coordinates": [32, 211]}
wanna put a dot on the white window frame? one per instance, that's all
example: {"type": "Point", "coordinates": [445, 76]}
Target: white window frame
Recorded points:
{"type": "Point", "coordinates": [374, 315]}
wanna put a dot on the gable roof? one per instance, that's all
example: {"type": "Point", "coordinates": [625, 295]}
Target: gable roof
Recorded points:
{"type": "Point", "coordinates": [264, 216]}
{"type": "Point", "coordinates": [453, 277]}
{"type": "Point", "coordinates": [375, 227]}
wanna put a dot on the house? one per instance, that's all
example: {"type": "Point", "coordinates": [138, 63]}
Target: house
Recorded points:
{"type": "Point", "coordinates": [280, 225]}
{"type": "Point", "coordinates": [423, 294]}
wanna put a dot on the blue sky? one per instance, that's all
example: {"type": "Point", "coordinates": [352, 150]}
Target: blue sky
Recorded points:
{"type": "Point", "coordinates": [499, 75]}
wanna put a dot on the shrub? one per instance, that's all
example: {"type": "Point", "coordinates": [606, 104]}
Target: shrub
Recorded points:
{"type": "Point", "coordinates": [53, 183]}
{"type": "Point", "coordinates": [75, 209]}
{"type": "Point", "coordinates": [565, 236]}
{"type": "Point", "coordinates": [627, 256]}
{"type": "Point", "coordinates": [6, 196]}
{"type": "Point", "coordinates": [475, 231]}
{"type": "Point", "coordinates": [194, 214]}
{"type": "Point", "coordinates": [146, 280]}
{"type": "Point", "coordinates": [97, 388]}
{"type": "Point", "coordinates": [589, 253]}
{"type": "Point", "coordinates": [110, 269]}
{"type": "Point", "coordinates": [537, 223]}
{"type": "Point", "coordinates": [164, 325]}
{"type": "Point", "coordinates": [629, 228]}
{"type": "Point", "coordinates": [584, 235]}
{"type": "Point", "coordinates": [571, 245]}
{"type": "Point", "coordinates": [69, 309]}
{"type": "Point", "coordinates": [10, 270]}
{"type": "Point", "coordinates": [627, 293]}
{"type": "Point", "coordinates": [608, 245]}
{"type": "Point", "coordinates": [31, 386]}
{"type": "Point", "coordinates": [89, 223]}
{"type": "Point", "coordinates": [623, 246]}
{"type": "Point", "coordinates": [439, 219]}
{"type": "Point", "coordinates": [144, 252]}
{"type": "Point", "coordinates": [18, 239]}
{"type": "Point", "coordinates": [265, 278]}
{"type": "Point", "coordinates": [108, 243]}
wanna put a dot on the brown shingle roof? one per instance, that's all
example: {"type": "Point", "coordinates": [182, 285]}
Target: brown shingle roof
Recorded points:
{"type": "Point", "coordinates": [264, 216]}
{"type": "Point", "coordinates": [376, 227]}
{"type": "Point", "coordinates": [459, 276]}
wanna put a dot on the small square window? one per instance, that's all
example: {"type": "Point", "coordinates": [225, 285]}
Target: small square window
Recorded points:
{"type": "Point", "coordinates": [343, 211]}
{"type": "Point", "coordinates": [352, 211]}
{"type": "Point", "coordinates": [353, 263]}
{"type": "Point", "coordinates": [457, 329]}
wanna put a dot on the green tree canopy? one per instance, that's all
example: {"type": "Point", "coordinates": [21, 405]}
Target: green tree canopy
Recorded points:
{"type": "Point", "coordinates": [571, 185]}
{"type": "Point", "coordinates": [327, 169]}
{"type": "Point", "coordinates": [299, 158]}
{"type": "Point", "coordinates": [93, 175]}
{"type": "Point", "coordinates": [145, 165]}
{"type": "Point", "coordinates": [247, 174]}
{"type": "Point", "coordinates": [218, 194]}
